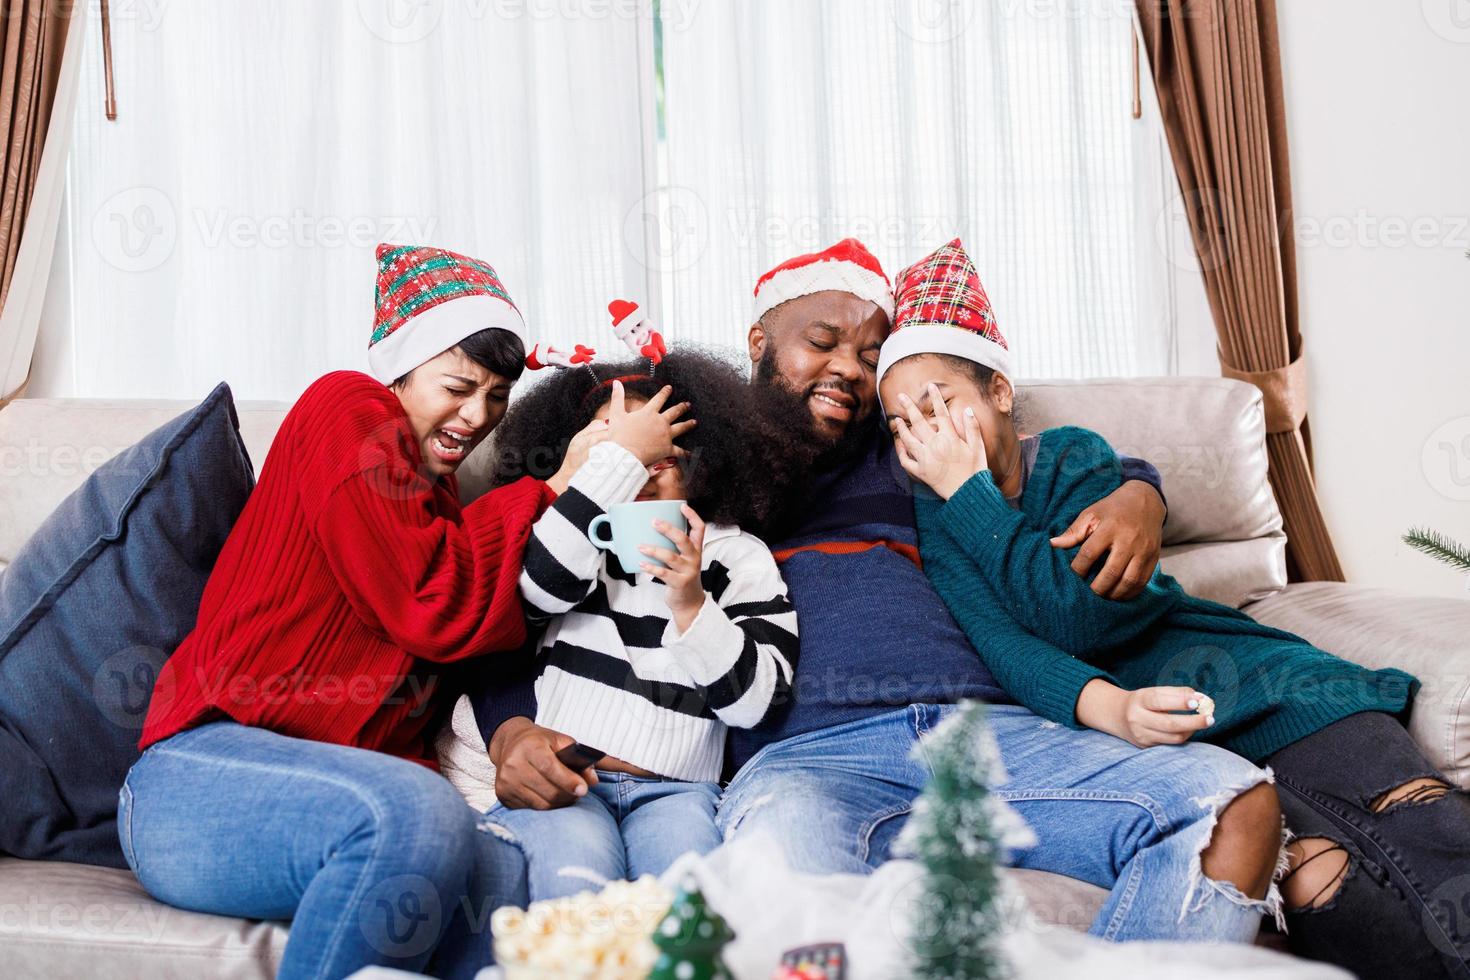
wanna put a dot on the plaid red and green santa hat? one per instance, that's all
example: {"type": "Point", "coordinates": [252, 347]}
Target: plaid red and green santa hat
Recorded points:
{"type": "Point", "coordinates": [943, 309]}
{"type": "Point", "coordinates": [847, 267]}
{"type": "Point", "coordinates": [428, 300]}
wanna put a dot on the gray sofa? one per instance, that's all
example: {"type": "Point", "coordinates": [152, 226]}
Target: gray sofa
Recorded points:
{"type": "Point", "coordinates": [1223, 541]}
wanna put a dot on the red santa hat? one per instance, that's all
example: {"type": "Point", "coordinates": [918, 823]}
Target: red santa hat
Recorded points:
{"type": "Point", "coordinates": [847, 267]}
{"type": "Point", "coordinates": [943, 309]}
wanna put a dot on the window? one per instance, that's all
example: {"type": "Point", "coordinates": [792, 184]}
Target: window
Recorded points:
{"type": "Point", "coordinates": [223, 226]}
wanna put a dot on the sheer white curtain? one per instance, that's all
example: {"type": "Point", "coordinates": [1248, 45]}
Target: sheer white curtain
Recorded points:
{"type": "Point", "coordinates": [793, 123]}
{"type": "Point", "coordinates": [223, 227]}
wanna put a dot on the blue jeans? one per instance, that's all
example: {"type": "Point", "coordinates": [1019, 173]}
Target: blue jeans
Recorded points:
{"type": "Point", "coordinates": [624, 828]}
{"type": "Point", "coordinates": [376, 860]}
{"type": "Point", "coordinates": [1131, 820]}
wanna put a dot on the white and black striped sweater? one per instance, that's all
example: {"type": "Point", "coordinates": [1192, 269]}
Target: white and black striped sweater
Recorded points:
{"type": "Point", "coordinates": [614, 672]}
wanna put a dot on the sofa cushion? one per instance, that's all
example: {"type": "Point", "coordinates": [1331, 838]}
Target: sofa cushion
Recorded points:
{"type": "Point", "coordinates": [1428, 636]}
{"type": "Point", "coordinates": [69, 920]}
{"type": "Point", "coordinates": [89, 610]}
{"type": "Point", "coordinates": [49, 446]}
{"type": "Point", "coordinates": [1057, 900]}
{"type": "Point", "coordinates": [1207, 436]}
{"type": "Point", "coordinates": [1231, 572]}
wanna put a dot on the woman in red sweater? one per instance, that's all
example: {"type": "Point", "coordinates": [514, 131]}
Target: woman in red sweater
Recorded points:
{"type": "Point", "coordinates": [287, 771]}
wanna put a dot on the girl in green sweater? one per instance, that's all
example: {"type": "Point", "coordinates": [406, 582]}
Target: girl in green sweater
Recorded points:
{"type": "Point", "coordinates": [1380, 835]}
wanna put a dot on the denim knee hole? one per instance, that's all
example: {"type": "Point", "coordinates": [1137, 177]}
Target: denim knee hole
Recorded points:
{"type": "Point", "coordinates": [1419, 791]}
{"type": "Point", "coordinates": [1202, 888]}
{"type": "Point", "coordinates": [1330, 876]}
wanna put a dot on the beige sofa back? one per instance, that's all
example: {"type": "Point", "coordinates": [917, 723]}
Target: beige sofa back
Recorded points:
{"type": "Point", "coordinates": [1206, 435]}
{"type": "Point", "coordinates": [49, 446]}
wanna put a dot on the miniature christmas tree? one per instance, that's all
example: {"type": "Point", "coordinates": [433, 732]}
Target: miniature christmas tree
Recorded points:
{"type": "Point", "coordinates": [956, 833]}
{"type": "Point", "coordinates": [690, 938]}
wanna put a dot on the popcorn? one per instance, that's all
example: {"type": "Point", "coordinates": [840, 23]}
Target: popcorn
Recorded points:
{"type": "Point", "coordinates": [1206, 706]}
{"type": "Point", "coordinates": [602, 935]}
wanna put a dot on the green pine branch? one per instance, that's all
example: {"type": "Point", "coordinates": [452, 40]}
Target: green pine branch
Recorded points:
{"type": "Point", "coordinates": [1439, 547]}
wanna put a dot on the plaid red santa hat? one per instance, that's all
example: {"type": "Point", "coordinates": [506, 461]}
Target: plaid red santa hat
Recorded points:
{"type": "Point", "coordinates": [847, 267]}
{"type": "Point", "coordinates": [429, 299]}
{"type": "Point", "coordinates": [943, 309]}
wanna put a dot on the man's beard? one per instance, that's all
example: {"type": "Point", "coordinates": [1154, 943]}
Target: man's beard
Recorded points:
{"type": "Point", "coordinates": [790, 411]}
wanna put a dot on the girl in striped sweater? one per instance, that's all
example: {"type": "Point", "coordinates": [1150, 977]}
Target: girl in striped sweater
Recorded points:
{"type": "Point", "coordinates": [649, 665]}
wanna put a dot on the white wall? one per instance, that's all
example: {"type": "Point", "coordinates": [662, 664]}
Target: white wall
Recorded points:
{"type": "Point", "coordinates": [1380, 153]}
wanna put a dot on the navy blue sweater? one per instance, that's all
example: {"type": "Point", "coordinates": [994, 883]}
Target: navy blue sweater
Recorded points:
{"type": "Point", "coordinates": [874, 634]}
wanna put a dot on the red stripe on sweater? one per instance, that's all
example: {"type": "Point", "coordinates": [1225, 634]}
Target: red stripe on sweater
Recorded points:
{"type": "Point", "coordinates": [853, 547]}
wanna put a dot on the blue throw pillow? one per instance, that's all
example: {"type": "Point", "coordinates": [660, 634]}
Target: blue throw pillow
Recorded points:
{"type": "Point", "coordinates": [91, 607]}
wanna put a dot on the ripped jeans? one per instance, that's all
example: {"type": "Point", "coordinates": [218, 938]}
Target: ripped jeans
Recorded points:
{"type": "Point", "coordinates": [1403, 907]}
{"type": "Point", "coordinates": [626, 827]}
{"type": "Point", "coordinates": [1131, 820]}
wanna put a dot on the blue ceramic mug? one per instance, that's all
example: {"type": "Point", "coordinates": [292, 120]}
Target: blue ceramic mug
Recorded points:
{"type": "Point", "coordinates": [630, 525]}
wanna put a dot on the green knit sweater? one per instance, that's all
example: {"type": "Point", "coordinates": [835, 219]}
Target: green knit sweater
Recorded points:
{"type": "Point", "coordinates": [1045, 634]}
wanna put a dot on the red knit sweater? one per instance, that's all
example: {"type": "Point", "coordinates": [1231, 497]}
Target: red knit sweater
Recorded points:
{"type": "Point", "coordinates": [347, 579]}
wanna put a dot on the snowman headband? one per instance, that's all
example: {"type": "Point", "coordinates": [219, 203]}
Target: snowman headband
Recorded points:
{"type": "Point", "coordinates": [635, 331]}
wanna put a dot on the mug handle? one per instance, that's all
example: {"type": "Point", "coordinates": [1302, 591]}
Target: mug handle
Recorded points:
{"type": "Point", "coordinates": [598, 523]}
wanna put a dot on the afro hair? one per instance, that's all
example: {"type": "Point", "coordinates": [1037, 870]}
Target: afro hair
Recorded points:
{"type": "Point", "coordinates": [738, 467]}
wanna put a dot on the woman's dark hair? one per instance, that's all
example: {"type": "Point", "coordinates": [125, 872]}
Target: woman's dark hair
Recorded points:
{"type": "Point", "coordinates": [737, 469]}
{"type": "Point", "coordinates": [978, 372]}
{"type": "Point", "coordinates": [495, 350]}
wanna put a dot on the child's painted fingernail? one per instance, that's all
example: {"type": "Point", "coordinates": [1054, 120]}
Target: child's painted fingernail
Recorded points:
{"type": "Point", "coordinates": [1210, 720]}
{"type": "Point", "coordinates": [1193, 703]}
{"type": "Point", "coordinates": [970, 413]}
{"type": "Point", "coordinates": [581, 789]}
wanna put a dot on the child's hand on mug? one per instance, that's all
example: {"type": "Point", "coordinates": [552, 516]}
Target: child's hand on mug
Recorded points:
{"type": "Point", "coordinates": [680, 572]}
{"type": "Point", "coordinates": [649, 430]}
{"type": "Point", "coordinates": [941, 454]}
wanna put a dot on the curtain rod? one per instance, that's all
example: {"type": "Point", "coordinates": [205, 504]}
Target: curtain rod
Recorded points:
{"type": "Point", "coordinates": [111, 104]}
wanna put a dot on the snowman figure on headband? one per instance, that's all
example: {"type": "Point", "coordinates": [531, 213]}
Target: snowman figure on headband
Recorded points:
{"type": "Point", "coordinates": [635, 330]}
{"type": "Point", "coordinates": [632, 328]}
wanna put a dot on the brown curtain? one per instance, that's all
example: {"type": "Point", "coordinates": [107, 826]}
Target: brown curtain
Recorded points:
{"type": "Point", "coordinates": [30, 64]}
{"type": "Point", "coordinates": [1217, 67]}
